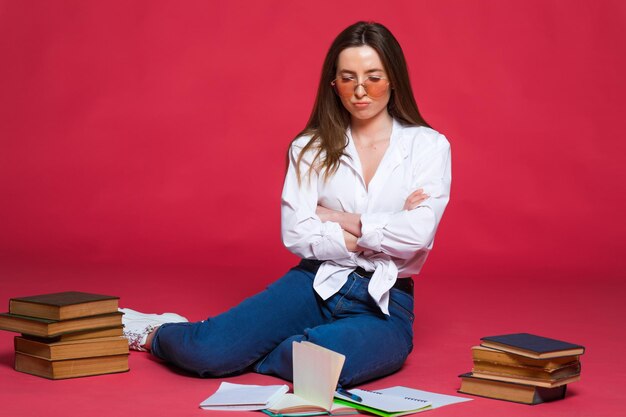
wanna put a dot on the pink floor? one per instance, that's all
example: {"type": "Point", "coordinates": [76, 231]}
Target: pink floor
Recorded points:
{"type": "Point", "coordinates": [450, 318]}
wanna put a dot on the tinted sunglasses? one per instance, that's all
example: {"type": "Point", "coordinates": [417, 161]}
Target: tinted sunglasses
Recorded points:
{"type": "Point", "coordinates": [375, 86]}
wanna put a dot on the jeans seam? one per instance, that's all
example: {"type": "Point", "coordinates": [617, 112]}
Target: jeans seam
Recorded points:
{"type": "Point", "coordinates": [339, 303]}
{"type": "Point", "coordinates": [237, 369]}
{"type": "Point", "coordinates": [382, 365]}
{"type": "Point", "coordinates": [409, 313]}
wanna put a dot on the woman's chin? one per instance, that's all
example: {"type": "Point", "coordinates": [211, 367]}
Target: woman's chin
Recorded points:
{"type": "Point", "coordinates": [366, 114]}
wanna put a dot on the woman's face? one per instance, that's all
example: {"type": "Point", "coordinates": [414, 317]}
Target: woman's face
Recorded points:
{"type": "Point", "coordinates": [358, 65]}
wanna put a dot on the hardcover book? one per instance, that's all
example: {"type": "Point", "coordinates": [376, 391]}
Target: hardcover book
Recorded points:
{"type": "Point", "coordinates": [532, 346]}
{"type": "Point", "coordinates": [50, 328]}
{"type": "Point", "coordinates": [527, 372]}
{"type": "Point", "coordinates": [527, 381]}
{"type": "Point", "coordinates": [509, 391]}
{"type": "Point", "coordinates": [81, 335]}
{"type": "Point", "coordinates": [70, 368]}
{"type": "Point", "coordinates": [63, 305]}
{"type": "Point", "coordinates": [75, 349]}
{"type": "Point", "coordinates": [484, 354]}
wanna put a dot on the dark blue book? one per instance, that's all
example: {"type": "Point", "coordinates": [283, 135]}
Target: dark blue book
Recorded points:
{"type": "Point", "coordinates": [532, 346]}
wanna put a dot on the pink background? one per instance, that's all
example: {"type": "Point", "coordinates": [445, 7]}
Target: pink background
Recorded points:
{"type": "Point", "coordinates": [142, 152]}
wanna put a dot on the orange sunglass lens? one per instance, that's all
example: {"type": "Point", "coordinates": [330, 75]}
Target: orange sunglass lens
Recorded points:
{"type": "Point", "coordinates": [344, 88]}
{"type": "Point", "coordinates": [376, 88]}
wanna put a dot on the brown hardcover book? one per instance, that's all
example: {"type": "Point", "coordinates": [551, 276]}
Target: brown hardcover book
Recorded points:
{"type": "Point", "coordinates": [485, 354]}
{"type": "Point", "coordinates": [532, 346]}
{"type": "Point", "coordinates": [63, 305]}
{"type": "Point", "coordinates": [508, 391]}
{"type": "Point", "coordinates": [85, 334]}
{"type": "Point", "coordinates": [50, 328]}
{"type": "Point", "coordinates": [527, 371]}
{"type": "Point", "coordinates": [70, 368]}
{"type": "Point", "coordinates": [527, 381]}
{"type": "Point", "coordinates": [75, 349]}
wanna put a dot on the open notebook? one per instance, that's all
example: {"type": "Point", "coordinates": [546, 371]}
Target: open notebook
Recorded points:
{"type": "Point", "coordinates": [316, 372]}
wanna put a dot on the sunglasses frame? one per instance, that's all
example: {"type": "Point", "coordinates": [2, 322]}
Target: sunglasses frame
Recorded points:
{"type": "Point", "coordinates": [357, 84]}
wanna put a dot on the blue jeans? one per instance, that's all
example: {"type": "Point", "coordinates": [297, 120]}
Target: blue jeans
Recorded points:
{"type": "Point", "coordinates": [257, 334]}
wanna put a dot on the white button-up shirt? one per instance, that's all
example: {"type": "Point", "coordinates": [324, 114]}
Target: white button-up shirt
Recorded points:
{"type": "Point", "coordinates": [396, 242]}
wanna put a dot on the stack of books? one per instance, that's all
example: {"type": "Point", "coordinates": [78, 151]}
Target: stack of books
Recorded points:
{"type": "Point", "coordinates": [523, 368]}
{"type": "Point", "coordinates": [67, 335]}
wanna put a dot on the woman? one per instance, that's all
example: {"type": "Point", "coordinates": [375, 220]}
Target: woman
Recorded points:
{"type": "Point", "coordinates": [366, 186]}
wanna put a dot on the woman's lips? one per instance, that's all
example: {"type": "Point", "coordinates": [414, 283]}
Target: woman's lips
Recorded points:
{"type": "Point", "coordinates": [360, 105]}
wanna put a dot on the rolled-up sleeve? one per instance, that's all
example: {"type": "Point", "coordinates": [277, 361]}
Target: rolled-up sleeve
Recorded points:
{"type": "Point", "coordinates": [402, 234]}
{"type": "Point", "coordinates": [303, 233]}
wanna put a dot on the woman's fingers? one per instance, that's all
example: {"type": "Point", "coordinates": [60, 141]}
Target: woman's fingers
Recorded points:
{"type": "Point", "coordinates": [415, 199]}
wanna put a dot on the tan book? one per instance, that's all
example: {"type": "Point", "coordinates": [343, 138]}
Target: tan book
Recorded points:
{"type": "Point", "coordinates": [508, 391]}
{"type": "Point", "coordinates": [292, 404]}
{"type": "Point", "coordinates": [481, 353]}
{"type": "Point", "coordinates": [50, 328]}
{"type": "Point", "coordinates": [63, 305]}
{"type": "Point", "coordinates": [527, 371]}
{"type": "Point", "coordinates": [74, 349]}
{"type": "Point", "coordinates": [85, 334]}
{"type": "Point", "coordinates": [527, 381]}
{"type": "Point", "coordinates": [70, 368]}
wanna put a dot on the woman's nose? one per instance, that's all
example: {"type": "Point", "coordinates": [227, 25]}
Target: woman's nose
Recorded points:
{"type": "Point", "coordinates": [359, 91]}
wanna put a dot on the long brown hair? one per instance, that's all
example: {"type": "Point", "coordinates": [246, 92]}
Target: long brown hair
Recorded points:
{"type": "Point", "coordinates": [329, 119]}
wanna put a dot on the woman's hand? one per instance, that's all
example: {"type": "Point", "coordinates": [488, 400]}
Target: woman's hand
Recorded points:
{"type": "Point", "coordinates": [351, 240]}
{"type": "Point", "coordinates": [350, 222]}
{"type": "Point", "coordinates": [415, 199]}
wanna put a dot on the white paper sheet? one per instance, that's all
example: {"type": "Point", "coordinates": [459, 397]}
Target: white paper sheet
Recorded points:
{"type": "Point", "coordinates": [387, 402]}
{"type": "Point", "coordinates": [238, 397]}
{"type": "Point", "coordinates": [437, 400]}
